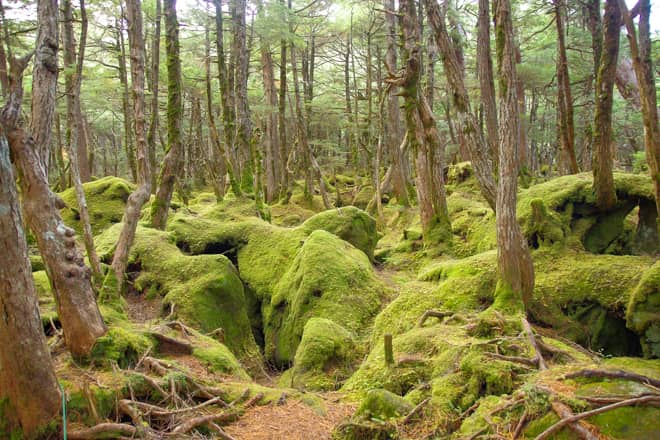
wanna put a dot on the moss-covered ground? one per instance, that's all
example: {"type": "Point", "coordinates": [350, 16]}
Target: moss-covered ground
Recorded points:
{"type": "Point", "coordinates": [295, 302]}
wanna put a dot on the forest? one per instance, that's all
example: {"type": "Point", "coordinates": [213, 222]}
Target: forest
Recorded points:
{"type": "Point", "coordinates": [329, 219]}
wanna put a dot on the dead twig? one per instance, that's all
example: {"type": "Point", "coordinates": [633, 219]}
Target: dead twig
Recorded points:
{"type": "Point", "coordinates": [415, 410]}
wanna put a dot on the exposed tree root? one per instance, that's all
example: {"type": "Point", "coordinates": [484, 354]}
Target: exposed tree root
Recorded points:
{"type": "Point", "coordinates": [194, 422]}
{"type": "Point", "coordinates": [433, 314]}
{"type": "Point", "coordinates": [580, 428]}
{"type": "Point", "coordinates": [615, 375]}
{"type": "Point", "coordinates": [532, 341]}
{"type": "Point", "coordinates": [415, 410]}
{"type": "Point", "coordinates": [104, 430]}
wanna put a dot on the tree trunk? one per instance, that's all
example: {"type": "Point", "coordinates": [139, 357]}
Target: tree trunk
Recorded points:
{"type": "Point", "coordinates": [27, 376]}
{"type": "Point", "coordinates": [514, 262]}
{"type": "Point", "coordinates": [393, 131]}
{"type": "Point", "coordinates": [125, 100]}
{"type": "Point", "coordinates": [565, 122]}
{"type": "Point", "coordinates": [281, 117]}
{"type": "Point", "coordinates": [76, 147]}
{"type": "Point", "coordinates": [70, 278]}
{"type": "Point", "coordinates": [643, 64]}
{"type": "Point", "coordinates": [422, 133]}
{"type": "Point", "coordinates": [172, 161]}
{"type": "Point", "coordinates": [486, 81]}
{"type": "Point", "coordinates": [602, 161]}
{"type": "Point", "coordinates": [153, 125]}
{"type": "Point", "coordinates": [477, 147]}
{"type": "Point", "coordinates": [141, 194]}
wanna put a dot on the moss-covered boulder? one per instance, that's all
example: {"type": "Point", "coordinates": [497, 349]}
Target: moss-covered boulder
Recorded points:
{"type": "Point", "coordinates": [204, 290]}
{"type": "Point", "coordinates": [106, 201]}
{"type": "Point", "coordinates": [328, 278]}
{"type": "Point", "coordinates": [643, 313]}
{"type": "Point", "coordinates": [383, 405]}
{"type": "Point", "coordinates": [324, 358]}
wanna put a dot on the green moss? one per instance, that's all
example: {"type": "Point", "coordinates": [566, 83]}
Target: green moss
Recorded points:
{"type": "Point", "coordinates": [106, 201]}
{"type": "Point", "coordinates": [328, 278]}
{"type": "Point", "coordinates": [643, 313]}
{"type": "Point", "coordinates": [205, 289]}
{"type": "Point", "coordinates": [79, 402]}
{"type": "Point", "coordinates": [324, 357]}
{"type": "Point", "coordinates": [122, 345]}
{"type": "Point", "coordinates": [383, 405]}
{"type": "Point", "coordinates": [217, 357]}
{"type": "Point", "coordinates": [37, 263]}
{"type": "Point", "coordinates": [363, 197]}
{"type": "Point", "coordinates": [629, 423]}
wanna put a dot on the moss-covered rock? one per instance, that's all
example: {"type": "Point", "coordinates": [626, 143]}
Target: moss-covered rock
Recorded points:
{"type": "Point", "coordinates": [328, 278]}
{"type": "Point", "coordinates": [363, 197]}
{"type": "Point", "coordinates": [324, 358]}
{"type": "Point", "coordinates": [106, 201]}
{"type": "Point", "coordinates": [383, 405]}
{"type": "Point", "coordinates": [205, 290]}
{"type": "Point", "coordinates": [643, 313]}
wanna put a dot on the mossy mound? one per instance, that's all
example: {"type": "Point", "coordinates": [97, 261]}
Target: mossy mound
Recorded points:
{"type": "Point", "coordinates": [643, 313]}
{"type": "Point", "coordinates": [364, 195]}
{"type": "Point", "coordinates": [205, 290]}
{"type": "Point", "coordinates": [328, 278]}
{"type": "Point", "coordinates": [324, 358]}
{"type": "Point", "coordinates": [106, 201]}
{"type": "Point", "coordinates": [381, 405]}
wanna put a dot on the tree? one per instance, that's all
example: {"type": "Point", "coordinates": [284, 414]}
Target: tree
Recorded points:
{"type": "Point", "coordinates": [172, 160]}
{"type": "Point", "coordinates": [141, 194]}
{"type": "Point", "coordinates": [602, 161]}
{"type": "Point", "coordinates": [514, 262]}
{"type": "Point", "coordinates": [153, 124]}
{"type": "Point", "coordinates": [70, 278]}
{"type": "Point", "coordinates": [27, 377]}
{"type": "Point", "coordinates": [486, 81]}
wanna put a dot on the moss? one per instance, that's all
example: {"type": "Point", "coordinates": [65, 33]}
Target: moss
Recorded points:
{"type": "Point", "coordinates": [80, 400]}
{"type": "Point", "coordinates": [106, 200]}
{"type": "Point", "coordinates": [37, 263]}
{"type": "Point", "coordinates": [362, 198]}
{"type": "Point", "coordinates": [217, 357]}
{"type": "Point", "coordinates": [629, 423]}
{"type": "Point", "coordinates": [383, 405]}
{"type": "Point", "coordinates": [328, 278]}
{"type": "Point", "coordinates": [643, 313]}
{"type": "Point", "coordinates": [122, 345]}
{"type": "Point", "coordinates": [324, 357]}
{"type": "Point", "coordinates": [205, 289]}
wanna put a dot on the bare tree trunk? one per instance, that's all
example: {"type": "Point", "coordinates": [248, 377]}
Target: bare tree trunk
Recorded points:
{"type": "Point", "coordinates": [77, 149]}
{"type": "Point", "coordinates": [486, 81]}
{"type": "Point", "coordinates": [27, 376]}
{"type": "Point", "coordinates": [643, 64]}
{"type": "Point", "coordinates": [141, 194]}
{"type": "Point", "coordinates": [514, 262]}
{"type": "Point", "coordinates": [392, 133]}
{"type": "Point", "coordinates": [126, 106]}
{"type": "Point", "coordinates": [153, 125]}
{"type": "Point", "coordinates": [565, 122]}
{"type": "Point", "coordinates": [602, 161]}
{"type": "Point", "coordinates": [243, 124]}
{"type": "Point", "coordinates": [422, 133]}
{"type": "Point", "coordinates": [218, 157]}
{"type": "Point", "coordinates": [172, 160]}
{"type": "Point", "coordinates": [70, 278]}
{"type": "Point", "coordinates": [472, 131]}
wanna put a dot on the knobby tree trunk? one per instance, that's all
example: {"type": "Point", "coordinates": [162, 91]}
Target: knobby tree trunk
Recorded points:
{"type": "Point", "coordinates": [514, 261]}
{"type": "Point", "coordinates": [76, 147]}
{"type": "Point", "coordinates": [565, 121]}
{"type": "Point", "coordinates": [643, 64]}
{"type": "Point", "coordinates": [476, 144]}
{"type": "Point", "coordinates": [172, 160]}
{"type": "Point", "coordinates": [70, 278]}
{"type": "Point", "coordinates": [602, 160]}
{"type": "Point", "coordinates": [141, 194]}
{"type": "Point", "coordinates": [27, 376]}
{"type": "Point", "coordinates": [153, 124]}
{"type": "Point", "coordinates": [486, 81]}
{"type": "Point", "coordinates": [422, 133]}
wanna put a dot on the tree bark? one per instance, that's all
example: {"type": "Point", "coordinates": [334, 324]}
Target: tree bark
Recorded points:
{"type": "Point", "coordinates": [27, 376]}
{"type": "Point", "coordinates": [602, 161]}
{"type": "Point", "coordinates": [172, 161]}
{"type": "Point", "coordinates": [153, 124]}
{"type": "Point", "coordinates": [514, 262]}
{"type": "Point", "coordinates": [486, 81]}
{"type": "Point", "coordinates": [643, 64]}
{"type": "Point", "coordinates": [141, 194]}
{"type": "Point", "coordinates": [565, 122]}
{"type": "Point", "coordinates": [471, 130]}
{"type": "Point", "coordinates": [125, 100]}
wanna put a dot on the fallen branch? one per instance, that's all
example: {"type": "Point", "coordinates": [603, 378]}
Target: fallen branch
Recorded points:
{"type": "Point", "coordinates": [614, 374]}
{"type": "Point", "coordinates": [104, 430]}
{"type": "Point", "coordinates": [610, 400]}
{"type": "Point", "coordinates": [155, 365]}
{"type": "Point", "coordinates": [432, 314]}
{"type": "Point", "coordinates": [254, 400]}
{"type": "Point", "coordinates": [578, 427]}
{"type": "Point", "coordinates": [194, 422]}
{"type": "Point", "coordinates": [415, 410]}
{"type": "Point", "coordinates": [557, 426]}
{"type": "Point", "coordinates": [532, 341]}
